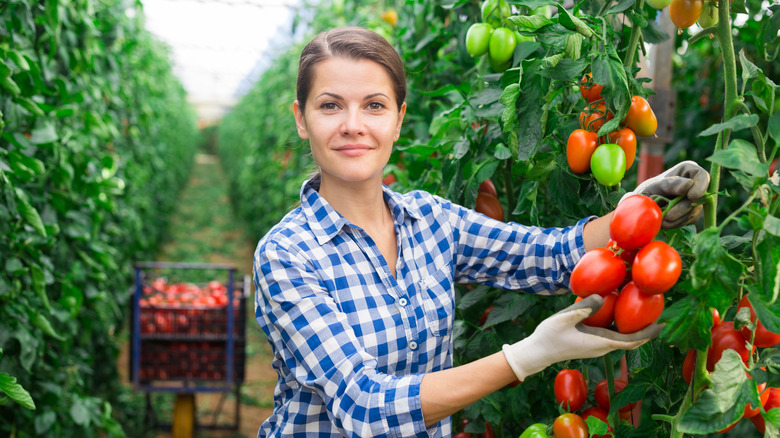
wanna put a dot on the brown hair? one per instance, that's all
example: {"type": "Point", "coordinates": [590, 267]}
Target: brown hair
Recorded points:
{"type": "Point", "coordinates": [352, 43]}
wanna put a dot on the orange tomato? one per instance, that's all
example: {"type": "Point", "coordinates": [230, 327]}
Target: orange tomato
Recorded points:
{"type": "Point", "coordinates": [626, 139]}
{"type": "Point", "coordinates": [579, 149]}
{"type": "Point", "coordinates": [641, 118]}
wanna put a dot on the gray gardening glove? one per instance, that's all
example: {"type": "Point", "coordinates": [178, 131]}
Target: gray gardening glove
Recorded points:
{"type": "Point", "coordinates": [683, 179]}
{"type": "Point", "coordinates": [562, 337]}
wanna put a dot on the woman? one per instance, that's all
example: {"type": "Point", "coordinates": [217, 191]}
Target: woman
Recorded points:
{"type": "Point", "coordinates": [355, 286]}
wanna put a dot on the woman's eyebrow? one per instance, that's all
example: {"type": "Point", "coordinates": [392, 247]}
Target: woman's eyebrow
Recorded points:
{"type": "Point", "coordinates": [333, 95]}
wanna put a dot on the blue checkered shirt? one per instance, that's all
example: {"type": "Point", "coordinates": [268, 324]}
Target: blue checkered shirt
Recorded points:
{"type": "Point", "coordinates": [351, 342]}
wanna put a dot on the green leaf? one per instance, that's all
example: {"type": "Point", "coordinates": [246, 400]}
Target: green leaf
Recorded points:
{"type": "Point", "coordinates": [715, 271]}
{"type": "Point", "coordinates": [15, 391]}
{"type": "Point", "coordinates": [741, 155]}
{"type": "Point", "coordinates": [502, 152]}
{"type": "Point", "coordinates": [573, 47]}
{"type": "Point", "coordinates": [509, 100]}
{"type": "Point", "coordinates": [30, 106]}
{"type": "Point", "coordinates": [608, 71]}
{"type": "Point", "coordinates": [772, 225]}
{"type": "Point", "coordinates": [735, 123]}
{"type": "Point", "coordinates": [688, 322]}
{"type": "Point", "coordinates": [768, 314]}
{"type": "Point", "coordinates": [18, 59]}
{"type": "Point", "coordinates": [749, 70]}
{"type": "Point", "coordinates": [39, 285]}
{"type": "Point", "coordinates": [632, 393]}
{"type": "Point", "coordinates": [768, 266]}
{"type": "Point", "coordinates": [44, 422]}
{"type": "Point", "coordinates": [29, 213]}
{"type": "Point", "coordinates": [653, 33]}
{"type": "Point", "coordinates": [529, 22]}
{"type": "Point", "coordinates": [774, 126]}
{"type": "Point", "coordinates": [724, 403]}
{"type": "Point", "coordinates": [79, 413]}
{"type": "Point", "coordinates": [40, 321]}
{"type": "Point", "coordinates": [596, 426]}
{"type": "Point", "coordinates": [473, 297]}
{"type": "Point", "coordinates": [620, 7]}
{"type": "Point", "coordinates": [773, 416]}
{"type": "Point", "coordinates": [9, 84]}
{"type": "Point", "coordinates": [508, 308]}
{"type": "Point", "coordinates": [569, 21]}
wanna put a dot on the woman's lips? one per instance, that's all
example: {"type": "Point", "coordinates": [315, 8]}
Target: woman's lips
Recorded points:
{"type": "Point", "coordinates": [353, 150]}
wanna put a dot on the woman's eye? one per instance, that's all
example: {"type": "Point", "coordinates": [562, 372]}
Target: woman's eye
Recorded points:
{"type": "Point", "coordinates": [376, 106]}
{"type": "Point", "coordinates": [329, 106]}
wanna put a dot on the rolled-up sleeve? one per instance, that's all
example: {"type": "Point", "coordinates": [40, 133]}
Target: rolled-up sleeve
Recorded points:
{"type": "Point", "coordinates": [509, 255]}
{"type": "Point", "coordinates": [312, 337]}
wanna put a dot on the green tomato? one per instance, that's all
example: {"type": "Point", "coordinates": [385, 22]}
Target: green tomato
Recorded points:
{"type": "Point", "coordinates": [659, 4]}
{"type": "Point", "coordinates": [536, 430]}
{"type": "Point", "coordinates": [608, 164]}
{"type": "Point", "coordinates": [494, 11]}
{"type": "Point", "coordinates": [520, 38]}
{"type": "Point", "coordinates": [502, 45]}
{"type": "Point", "coordinates": [478, 38]}
{"type": "Point", "coordinates": [709, 15]}
{"type": "Point", "coordinates": [545, 11]}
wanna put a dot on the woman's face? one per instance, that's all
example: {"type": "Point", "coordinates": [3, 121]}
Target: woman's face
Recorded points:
{"type": "Point", "coordinates": [351, 119]}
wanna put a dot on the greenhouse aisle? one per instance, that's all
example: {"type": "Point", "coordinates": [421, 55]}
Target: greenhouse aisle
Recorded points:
{"type": "Point", "coordinates": [204, 229]}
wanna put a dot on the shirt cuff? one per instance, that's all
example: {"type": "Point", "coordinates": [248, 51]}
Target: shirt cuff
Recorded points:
{"type": "Point", "coordinates": [402, 408]}
{"type": "Point", "coordinates": [578, 246]}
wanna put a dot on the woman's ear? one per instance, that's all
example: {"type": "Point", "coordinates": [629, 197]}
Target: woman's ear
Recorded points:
{"type": "Point", "coordinates": [401, 114]}
{"type": "Point", "coordinates": [300, 122]}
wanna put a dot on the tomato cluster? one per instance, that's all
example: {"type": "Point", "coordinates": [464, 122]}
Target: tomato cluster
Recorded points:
{"type": "Point", "coordinates": [184, 308]}
{"type": "Point", "coordinates": [634, 264]}
{"type": "Point", "coordinates": [492, 37]}
{"type": "Point", "coordinates": [571, 391]}
{"type": "Point", "coordinates": [607, 157]}
{"type": "Point", "coordinates": [725, 336]}
{"type": "Point", "coordinates": [487, 201]}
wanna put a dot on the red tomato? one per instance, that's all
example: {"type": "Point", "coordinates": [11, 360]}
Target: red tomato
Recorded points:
{"type": "Point", "coordinates": [606, 315]}
{"type": "Point", "coordinates": [601, 393]}
{"type": "Point", "coordinates": [488, 187]}
{"type": "Point", "coordinates": [641, 118]}
{"type": "Point", "coordinates": [763, 337]}
{"type": "Point", "coordinates": [688, 363]}
{"type": "Point", "coordinates": [635, 310]}
{"type": "Point", "coordinates": [763, 395]}
{"type": "Point", "coordinates": [483, 318]}
{"type": "Point", "coordinates": [685, 12]}
{"type": "Point", "coordinates": [635, 222]}
{"type": "Point", "coordinates": [592, 118]}
{"type": "Point", "coordinates": [626, 139]}
{"type": "Point", "coordinates": [599, 271]}
{"type": "Point", "coordinates": [725, 337]}
{"type": "Point", "coordinates": [590, 90]}
{"type": "Point", "coordinates": [715, 317]}
{"type": "Point", "coordinates": [772, 402]}
{"type": "Point", "coordinates": [656, 268]}
{"type": "Point", "coordinates": [389, 179]}
{"type": "Point", "coordinates": [599, 413]}
{"type": "Point", "coordinates": [570, 426]}
{"type": "Point", "coordinates": [490, 206]}
{"type": "Point", "coordinates": [579, 149]}
{"type": "Point", "coordinates": [462, 435]}
{"type": "Point", "coordinates": [571, 390]}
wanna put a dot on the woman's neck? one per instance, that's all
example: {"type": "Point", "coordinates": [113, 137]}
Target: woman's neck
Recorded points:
{"type": "Point", "coordinates": [362, 204]}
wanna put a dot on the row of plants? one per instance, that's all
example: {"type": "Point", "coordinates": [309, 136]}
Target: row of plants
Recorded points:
{"type": "Point", "coordinates": [503, 112]}
{"type": "Point", "coordinates": [96, 138]}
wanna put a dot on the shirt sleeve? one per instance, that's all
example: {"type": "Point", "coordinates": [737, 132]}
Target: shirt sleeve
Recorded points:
{"type": "Point", "coordinates": [509, 255]}
{"type": "Point", "coordinates": [320, 348]}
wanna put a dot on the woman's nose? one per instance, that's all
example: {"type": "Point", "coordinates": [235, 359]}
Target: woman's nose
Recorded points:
{"type": "Point", "coordinates": [353, 123]}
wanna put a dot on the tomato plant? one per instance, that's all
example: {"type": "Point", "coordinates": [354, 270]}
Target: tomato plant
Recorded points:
{"type": "Point", "coordinates": [571, 390]}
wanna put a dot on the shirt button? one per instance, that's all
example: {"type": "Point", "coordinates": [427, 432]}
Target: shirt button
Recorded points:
{"type": "Point", "coordinates": [403, 302]}
{"type": "Point", "coordinates": [413, 345]}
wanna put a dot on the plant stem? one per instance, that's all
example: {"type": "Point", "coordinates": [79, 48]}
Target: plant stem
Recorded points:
{"type": "Point", "coordinates": [609, 373]}
{"type": "Point", "coordinates": [633, 40]}
{"type": "Point", "coordinates": [511, 200]}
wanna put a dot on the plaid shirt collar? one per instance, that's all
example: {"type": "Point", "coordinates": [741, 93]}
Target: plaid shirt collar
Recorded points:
{"type": "Point", "coordinates": [325, 222]}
